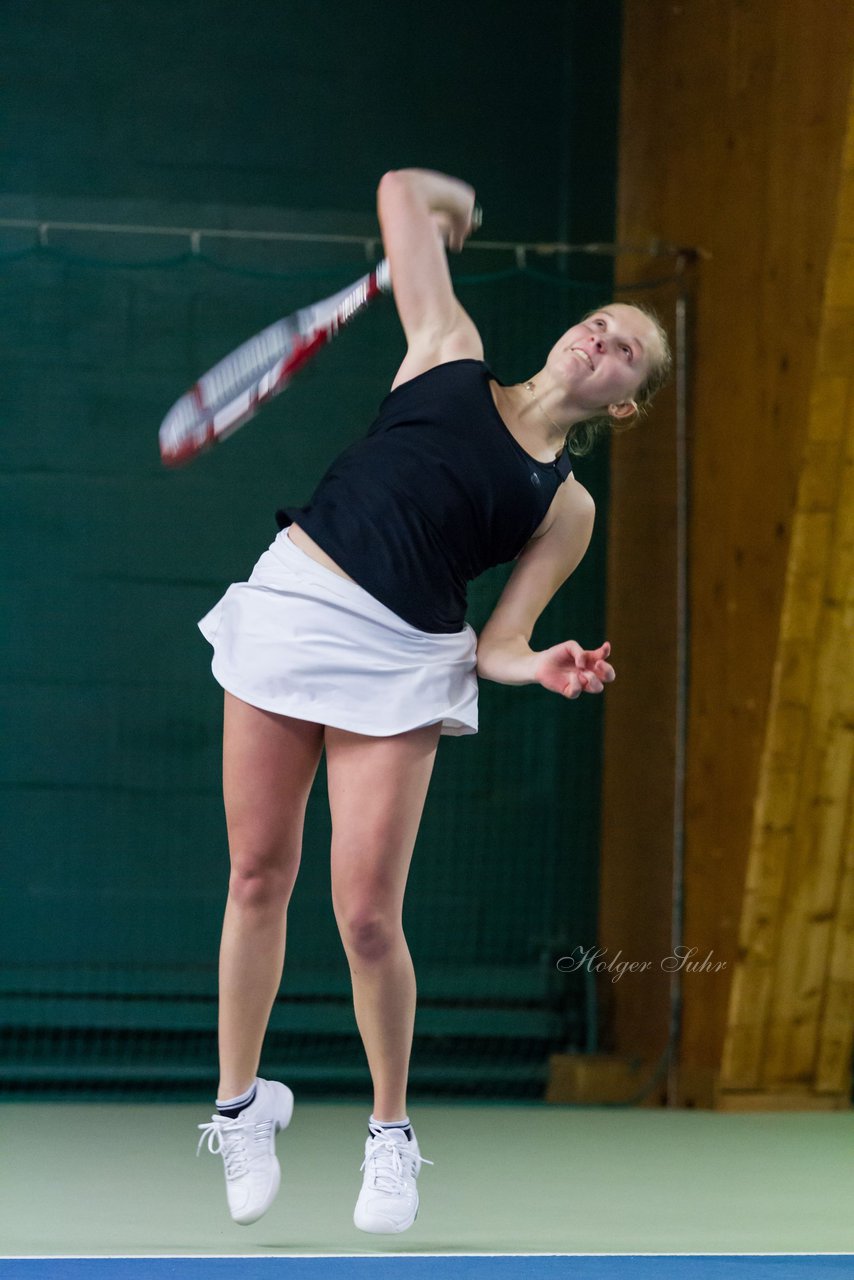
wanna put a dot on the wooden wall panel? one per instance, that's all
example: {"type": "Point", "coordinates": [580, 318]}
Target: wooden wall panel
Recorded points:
{"type": "Point", "coordinates": [732, 126]}
{"type": "Point", "coordinates": [791, 1011]}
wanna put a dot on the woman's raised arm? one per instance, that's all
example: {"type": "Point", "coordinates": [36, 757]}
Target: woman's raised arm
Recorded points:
{"type": "Point", "coordinates": [413, 206]}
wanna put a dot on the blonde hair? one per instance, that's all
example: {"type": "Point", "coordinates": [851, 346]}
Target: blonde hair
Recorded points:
{"type": "Point", "coordinates": [584, 435]}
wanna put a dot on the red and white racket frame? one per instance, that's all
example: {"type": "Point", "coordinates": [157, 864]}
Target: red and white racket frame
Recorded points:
{"type": "Point", "coordinates": [233, 391]}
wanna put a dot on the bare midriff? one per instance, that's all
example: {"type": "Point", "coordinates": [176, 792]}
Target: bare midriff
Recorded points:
{"type": "Point", "coordinates": [301, 539]}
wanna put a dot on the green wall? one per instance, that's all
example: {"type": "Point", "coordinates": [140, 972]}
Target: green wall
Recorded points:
{"type": "Point", "coordinates": [273, 116]}
{"type": "Point", "coordinates": [304, 105]}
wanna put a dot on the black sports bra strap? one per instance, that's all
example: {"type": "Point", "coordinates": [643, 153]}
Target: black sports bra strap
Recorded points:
{"type": "Point", "coordinates": [563, 465]}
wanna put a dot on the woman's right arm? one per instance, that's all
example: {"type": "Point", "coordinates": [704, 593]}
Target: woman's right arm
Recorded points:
{"type": "Point", "coordinates": [411, 203]}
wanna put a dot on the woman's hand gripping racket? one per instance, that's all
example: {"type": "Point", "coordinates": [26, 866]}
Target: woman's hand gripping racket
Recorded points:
{"type": "Point", "coordinates": [234, 390]}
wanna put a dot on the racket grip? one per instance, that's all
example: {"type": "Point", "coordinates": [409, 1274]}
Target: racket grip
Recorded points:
{"type": "Point", "coordinates": [476, 218]}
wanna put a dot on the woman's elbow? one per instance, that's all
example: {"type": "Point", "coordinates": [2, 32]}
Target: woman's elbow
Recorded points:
{"type": "Point", "coordinates": [390, 191]}
{"type": "Point", "coordinates": [391, 178]}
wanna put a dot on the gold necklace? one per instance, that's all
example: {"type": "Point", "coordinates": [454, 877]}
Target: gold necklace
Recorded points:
{"type": "Point", "coordinates": [529, 386]}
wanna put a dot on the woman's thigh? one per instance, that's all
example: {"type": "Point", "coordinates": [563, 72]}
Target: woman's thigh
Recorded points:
{"type": "Point", "coordinates": [377, 788]}
{"type": "Point", "coordinates": [268, 765]}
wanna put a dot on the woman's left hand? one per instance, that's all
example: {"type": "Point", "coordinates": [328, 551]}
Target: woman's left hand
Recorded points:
{"type": "Point", "coordinates": [569, 670]}
{"type": "Point", "coordinates": [454, 232]}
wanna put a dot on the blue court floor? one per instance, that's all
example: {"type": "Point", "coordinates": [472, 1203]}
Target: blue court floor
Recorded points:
{"type": "Point", "coordinates": [461, 1267]}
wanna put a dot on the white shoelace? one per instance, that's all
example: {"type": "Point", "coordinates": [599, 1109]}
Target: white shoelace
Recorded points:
{"type": "Point", "coordinates": [393, 1163]}
{"type": "Point", "coordinates": [228, 1138]}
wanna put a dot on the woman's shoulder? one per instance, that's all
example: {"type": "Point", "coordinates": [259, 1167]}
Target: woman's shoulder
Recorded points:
{"type": "Point", "coordinates": [457, 370]}
{"type": "Point", "coordinates": [463, 344]}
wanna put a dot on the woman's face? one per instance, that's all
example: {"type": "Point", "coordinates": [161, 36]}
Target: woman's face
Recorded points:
{"type": "Point", "coordinates": [605, 359]}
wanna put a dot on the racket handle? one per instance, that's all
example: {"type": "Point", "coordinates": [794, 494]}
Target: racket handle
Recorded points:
{"type": "Point", "coordinates": [383, 275]}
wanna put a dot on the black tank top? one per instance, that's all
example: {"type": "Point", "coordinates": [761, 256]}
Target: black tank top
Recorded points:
{"type": "Point", "coordinates": [437, 492]}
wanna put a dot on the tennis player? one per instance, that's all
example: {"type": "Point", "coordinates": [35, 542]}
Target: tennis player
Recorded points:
{"type": "Point", "coordinates": [350, 635]}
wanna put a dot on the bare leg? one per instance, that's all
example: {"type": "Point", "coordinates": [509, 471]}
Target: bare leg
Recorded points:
{"type": "Point", "coordinates": [377, 789]}
{"type": "Point", "coordinates": [269, 763]}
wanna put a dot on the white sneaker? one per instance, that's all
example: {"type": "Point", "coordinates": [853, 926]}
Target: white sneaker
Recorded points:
{"type": "Point", "coordinates": [388, 1201]}
{"type": "Point", "coordinates": [247, 1145]}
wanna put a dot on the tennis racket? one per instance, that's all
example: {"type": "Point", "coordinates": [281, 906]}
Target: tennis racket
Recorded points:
{"type": "Point", "coordinates": [234, 390]}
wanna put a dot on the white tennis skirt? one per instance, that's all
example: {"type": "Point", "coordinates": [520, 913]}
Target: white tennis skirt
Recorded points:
{"type": "Point", "coordinates": [299, 639]}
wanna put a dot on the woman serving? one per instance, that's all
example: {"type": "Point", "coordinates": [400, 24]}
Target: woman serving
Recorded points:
{"type": "Point", "coordinates": [350, 635]}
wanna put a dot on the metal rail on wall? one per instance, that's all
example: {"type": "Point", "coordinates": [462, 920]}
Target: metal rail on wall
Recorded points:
{"type": "Point", "coordinates": [43, 226]}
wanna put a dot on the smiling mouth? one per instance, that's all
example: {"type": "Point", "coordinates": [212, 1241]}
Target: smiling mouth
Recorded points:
{"type": "Point", "coordinates": [583, 356]}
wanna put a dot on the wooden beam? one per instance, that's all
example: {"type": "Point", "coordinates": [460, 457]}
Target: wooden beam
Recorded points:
{"type": "Point", "coordinates": [791, 1010]}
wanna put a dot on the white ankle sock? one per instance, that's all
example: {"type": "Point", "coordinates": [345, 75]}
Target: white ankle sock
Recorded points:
{"type": "Point", "coordinates": [231, 1104]}
{"type": "Point", "coordinates": [380, 1125]}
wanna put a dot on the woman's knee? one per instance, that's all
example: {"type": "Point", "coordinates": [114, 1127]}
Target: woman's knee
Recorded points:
{"type": "Point", "coordinates": [262, 877]}
{"type": "Point", "coordinates": [368, 934]}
